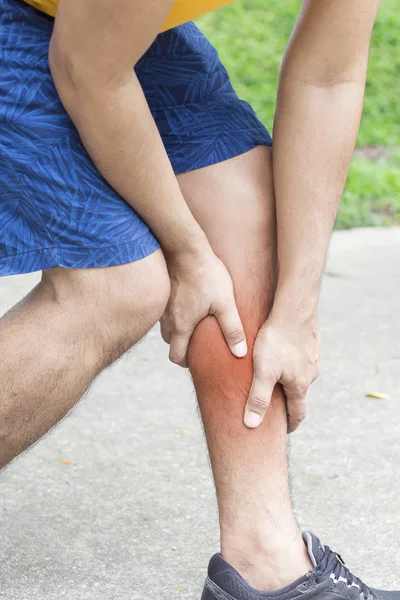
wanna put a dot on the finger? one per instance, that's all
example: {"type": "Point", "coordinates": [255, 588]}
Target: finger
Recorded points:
{"type": "Point", "coordinates": [165, 333]}
{"type": "Point", "coordinates": [178, 348]}
{"type": "Point", "coordinates": [258, 401]}
{"type": "Point", "coordinates": [296, 408]}
{"type": "Point", "coordinates": [232, 328]}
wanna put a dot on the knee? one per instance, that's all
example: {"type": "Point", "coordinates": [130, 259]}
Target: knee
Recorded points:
{"type": "Point", "coordinates": [136, 294]}
{"type": "Point", "coordinates": [122, 303]}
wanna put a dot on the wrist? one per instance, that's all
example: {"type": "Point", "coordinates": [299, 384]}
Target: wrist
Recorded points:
{"type": "Point", "coordinates": [284, 318]}
{"type": "Point", "coordinates": [295, 305]}
{"type": "Point", "coordinates": [190, 248]}
{"type": "Point", "coordinates": [298, 289]}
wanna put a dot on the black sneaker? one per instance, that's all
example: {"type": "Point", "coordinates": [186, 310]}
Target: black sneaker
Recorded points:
{"type": "Point", "coordinates": [329, 580]}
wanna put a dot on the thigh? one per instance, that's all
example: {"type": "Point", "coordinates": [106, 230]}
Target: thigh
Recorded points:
{"type": "Point", "coordinates": [234, 203]}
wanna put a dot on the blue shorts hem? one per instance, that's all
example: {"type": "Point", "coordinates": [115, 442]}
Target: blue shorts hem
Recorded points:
{"type": "Point", "coordinates": [214, 158]}
{"type": "Point", "coordinates": [66, 257]}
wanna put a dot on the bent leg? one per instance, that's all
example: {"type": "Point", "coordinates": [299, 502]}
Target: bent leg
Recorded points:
{"type": "Point", "coordinates": [233, 201]}
{"type": "Point", "coordinates": [68, 329]}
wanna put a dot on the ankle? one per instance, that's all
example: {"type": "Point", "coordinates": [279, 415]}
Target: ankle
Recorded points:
{"type": "Point", "coordinates": [270, 563]}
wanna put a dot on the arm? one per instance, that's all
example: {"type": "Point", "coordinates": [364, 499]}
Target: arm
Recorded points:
{"type": "Point", "coordinates": [319, 107]}
{"type": "Point", "coordinates": [318, 114]}
{"type": "Point", "coordinates": [95, 45]}
{"type": "Point", "coordinates": [93, 50]}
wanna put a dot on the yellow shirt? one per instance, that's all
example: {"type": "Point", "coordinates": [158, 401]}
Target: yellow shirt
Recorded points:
{"type": "Point", "coordinates": [182, 11]}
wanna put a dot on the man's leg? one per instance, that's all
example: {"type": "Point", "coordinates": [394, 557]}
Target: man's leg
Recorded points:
{"type": "Point", "coordinates": [68, 329]}
{"type": "Point", "coordinates": [234, 203]}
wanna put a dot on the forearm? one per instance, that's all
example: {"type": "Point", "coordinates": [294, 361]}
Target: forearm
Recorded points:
{"type": "Point", "coordinates": [319, 107]}
{"type": "Point", "coordinates": [314, 137]}
{"type": "Point", "coordinates": [119, 133]}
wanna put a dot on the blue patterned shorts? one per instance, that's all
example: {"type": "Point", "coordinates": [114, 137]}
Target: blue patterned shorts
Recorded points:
{"type": "Point", "coordinates": [55, 207]}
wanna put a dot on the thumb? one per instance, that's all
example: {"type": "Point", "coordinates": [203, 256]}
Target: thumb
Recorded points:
{"type": "Point", "coordinates": [259, 399]}
{"type": "Point", "coordinates": [232, 328]}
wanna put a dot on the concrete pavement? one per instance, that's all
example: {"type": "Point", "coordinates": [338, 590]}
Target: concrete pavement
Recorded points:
{"type": "Point", "coordinates": [133, 517]}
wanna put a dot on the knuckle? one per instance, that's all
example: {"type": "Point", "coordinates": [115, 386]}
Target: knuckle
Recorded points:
{"type": "Point", "coordinates": [258, 403]}
{"type": "Point", "coordinates": [302, 385]}
{"type": "Point", "coordinates": [176, 354]}
{"type": "Point", "coordinates": [297, 406]}
{"type": "Point", "coordinates": [296, 419]}
{"type": "Point", "coordinates": [180, 326]}
{"type": "Point", "coordinates": [261, 368]}
{"type": "Point", "coordinates": [180, 330]}
{"type": "Point", "coordinates": [300, 416]}
{"type": "Point", "coordinates": [236, 334]}
{"type": "Point", "coordinates": [178, 360]}
{"type": "Point", "coordinates": [177, 318]}
{"type": "Point", "coordinates": [174, 358]}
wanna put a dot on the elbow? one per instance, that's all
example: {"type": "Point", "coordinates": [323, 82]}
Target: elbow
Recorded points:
{"type": "Point", "coordinates": [86, 86]}
{"type": "Point", "coordinates": [326, 73]}
{"type": "Point", "coordinates": [82, 83]}
{"type": "Point", "coordinates": [67, 79]}
{"type": "Point", "coordinates": [322, 81]}
{"type": "Point", "coordinates": [333, 82]}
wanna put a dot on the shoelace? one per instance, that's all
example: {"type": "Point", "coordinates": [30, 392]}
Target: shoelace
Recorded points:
{"type": "Point", "coordinates": [333, 564]}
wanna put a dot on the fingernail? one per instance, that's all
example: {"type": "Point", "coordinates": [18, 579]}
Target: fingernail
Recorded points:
{"type": "Point", "coordinates": [252, 419]}
{"type": "Point", "coordinates": [240, 350]}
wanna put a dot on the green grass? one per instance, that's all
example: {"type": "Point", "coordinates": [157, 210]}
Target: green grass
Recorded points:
{"type": "Point", "coordinates": [251, 37]}
{"type": "Point", "coordinates": [372, 195]}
